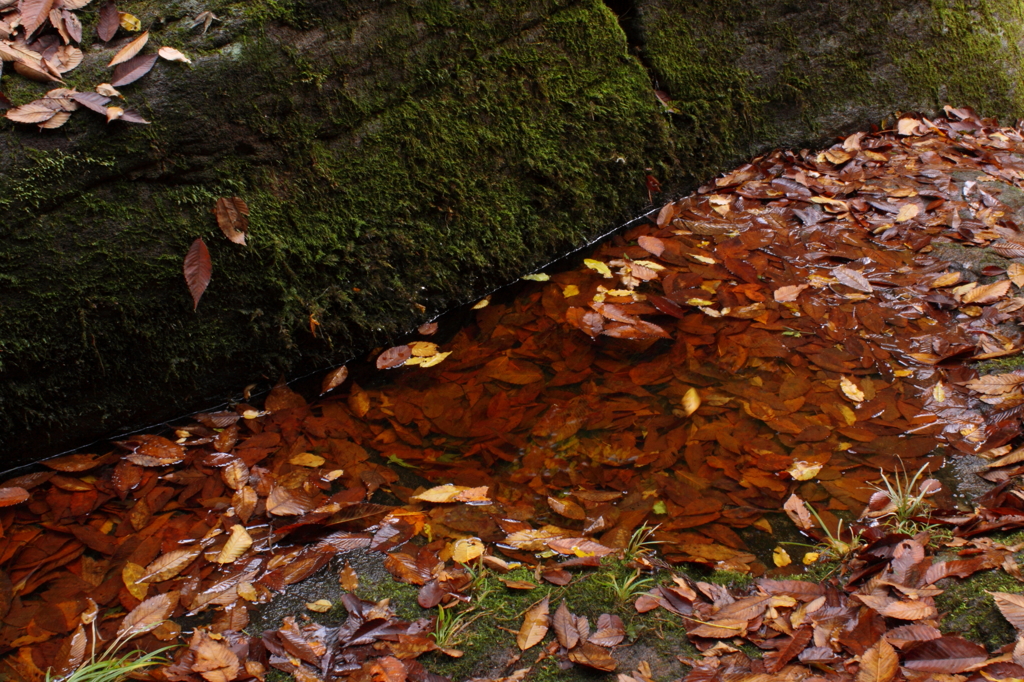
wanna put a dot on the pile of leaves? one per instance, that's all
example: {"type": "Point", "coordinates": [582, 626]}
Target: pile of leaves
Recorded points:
{"type": "Point", "coordinates": [787, 330]}
{"type": "Point", "coordinates": [43, 40]}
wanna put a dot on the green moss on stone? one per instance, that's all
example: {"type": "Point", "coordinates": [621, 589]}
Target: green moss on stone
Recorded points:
{"type": "Point", "coordinates": [967, 609]}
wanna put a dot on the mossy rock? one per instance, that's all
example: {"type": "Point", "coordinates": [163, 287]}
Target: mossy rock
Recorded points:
{"type": "Point", "coordinates": [400, 159]}
{"type": "Point", "coordinates": [966, 608]}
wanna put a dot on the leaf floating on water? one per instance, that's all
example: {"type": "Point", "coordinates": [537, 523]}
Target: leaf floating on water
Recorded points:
{"type": "Point", "coordinates": [790, 293]}
{"type": "Point", "coordinates": [781, 557]}
{"type": "Point", "coordinates": [394, 357]}
{"type": "Point", "coordinates": [452, 493]}
{"type": "Point", "coordinates": [599, 267]}
{"type": "Point", "coordinates": [537, 277]}
{"type": "Point", "coordinates": [334, 378]}
{"type": "Point", "coordinates": [691, 401]}
{"type": "Point", "coordinates": [427, 329]}
{"type": "Point", "coordinates": [850, 389]}
{"type": "Point", "coordinates": [198, 270]}
{"type": "Point", "coordinates": [853, 279]}
{"type": "Point", "coordinates": [12, 495]}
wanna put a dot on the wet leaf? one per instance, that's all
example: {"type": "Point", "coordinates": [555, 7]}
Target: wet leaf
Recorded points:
{"type": "Point", "coordinates": [789, 293]}
{"type": "Point", "coordinates": [467, 549]}
{"type": "Point", "coordinates": [393, 357]}
{"type": "Point", "coordinates": [238, 543]}
{"type": "Point", "coordinates": [851, 390]}
{"type": "Point", "coordinates": [691, 401]}
{"type": "Point", "coordinates": [129, 22]}
{"type": "Point", "coordinates": [12, 495]}
{"type": "Point", "coordinates": [147, 615]}
{"type": "Point", "coordinates": [348, 579]}
{"type": "Point", "coordinates": [307, 459]}
{"type": "Point", "coordinates": [198, 270]}
{"type": "Point", "coordinates": [781, 557]}
{"type": "Point", "coordinates": [334, 378]}
{"type": "Point", "coordinates": [452, 493]}
{"type": "Point", "coordinates": [797, 512]}
{"type": "Point", "coordinates": [170, 564]}
{"type": "Point", "coordinates": [853, 278]}
{"type": "Point", "coordinates": [319, 606]}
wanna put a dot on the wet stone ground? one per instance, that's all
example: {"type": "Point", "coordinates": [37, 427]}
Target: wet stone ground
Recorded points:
{"type": "Point", "coordinates": [773, 431]}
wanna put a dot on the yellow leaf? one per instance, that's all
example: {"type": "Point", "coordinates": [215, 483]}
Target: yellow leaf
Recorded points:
{"type": "Point", "coordinates": [907, 212]}
{"type": "Point", "coordinates": [704, 259]}
{"type": "Point", "coordinates": [247, 592]}
{"type": "Point", "coordinates": [570, 290]}
{"type": "Point", "coordinates": [237, 544]}
{"type": "Point", "coordinates": [903, 372]}
{"type": "Point", "coordinates": [434, 359]}
{"type": "Point", "coordinates": [649, 264]}
{"type": "Point", "coordinates": [699, 302]}
{"type": "Point", "coordinates": [537, 277]}
{"type": "Point", "coordinates": [307, 459]}
{"type": "Point", "coordinates": [333, 475]}
{"type": "Point", "coordinates": [810, 558]}
{"type": "Point", "coordinates": [535, 626]}
{"type": "Point", "coordinates": [781, 557]}
{"type": "Point", "coordinates": [691, 401]}
{"type": "Point", "coordinates": [129, 22]}
{"type": "Point", "coordinates": [467, 549]}
{"type": "Point", "coordinates": [1015, 271]}
{"type": "Point", "coordinates": [851, 390]}
{"type": "Point", "coordinates": [319, 606]}
{"type": "Point", "coordinates": [939, 393]}
{"type": "Point", "coordinates": [423, 349]}
{"type": "Point", "coordinates": [130, 574]}
{"type": "Point", "coordinates": [803, 471]}
{"type": "Point", "coordinates": [599, 267]}
{"type": "Point", "coordinates": [452, 493]}
{"type": "Point", "coordinates": [482, 303]}
{"type": "Point", "coordinates": [848, 415]}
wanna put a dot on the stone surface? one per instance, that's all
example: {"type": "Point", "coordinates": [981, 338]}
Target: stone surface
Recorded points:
{"type": "Point", "coordinates": [400, 159]}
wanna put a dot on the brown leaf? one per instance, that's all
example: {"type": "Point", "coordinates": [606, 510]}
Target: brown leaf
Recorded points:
{"type": "Point", "coordinates": [198, 269]}
{"type": "Point", "coordinates": [909, 610]}
{"type": "Point", "coordinates": [12, 495]}
{"type": "Point", "coordinates": [213, 659]}
{"type": "Point", "coordinates": [129, 50]}
{"type": "Point", "coordinates": [579, 547]}
{"type": "Point", "coordinates": [281, 502]}
{"type": "Point", "coordinates": [1011, 606]}
{"type": "Point", "coordinates": [30, 113]}
{"type": "Point", "coordinates": [652, 245]}
{"type": "Point", "coordinates": [109, 22]}
{"type": "Point", "coordinates": [853, 279]}
{"type": "Point", "coordinates": [879, 663]}
{"type": "Point", "coordinates": [610, 631]}
{"type": "Point", "coordinates": [987, 293]}
{"type": "Point", "coordinates": [71, 653]}
{"type": "Point", "coordinates": [74, 463]}
{"type": "Point", "coordinates": [132, 70]}
{"type": "Point", "coordinates": [791, 647]}
{"type": "Point", "coordinates": [535, 626]}
{"type": "Point", "coordinates": [148, 615]}
{"type": "Point", "coordinates": [169, 565]}
{"type": "Point", "coordinates": [797, 512]}
{"type": "Point", "coordinates": [334, 379]}
{"type": "Point", "coordinates": [92, 100]}
{"type": "Point", "coordinates": [567, 508]}
{"type": "Point", "coordinates": [394, 357]}
{"type": "Point", "coordinates": [452, 493]}
{"type": "Point", "coordinates": [33, 14]}
{"type": "Point", "coordinates": [235, 474]}
{"type": "Point", "coordinates": [565, 627]}
{"type": "Point", "coordinates": [348, 579]}
{"type": "Point", "coordinates": [232, 218]}
{"type": "Point", "coordinates": [790, 293]}
{"type": "Point", "coordinates": [945, 655]}
{"type": "Point", "coordinates": [592, 656]}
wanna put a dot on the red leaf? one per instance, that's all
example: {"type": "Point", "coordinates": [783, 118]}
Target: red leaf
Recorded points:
{"type": "Point", "coordinates": [133, 69]}
{"type": "Point", "coordinates": [198, 269]}
{"type": "Point", "coordinates": [13, 495]}
{"type": "Point", "coordinates": [394, 357]}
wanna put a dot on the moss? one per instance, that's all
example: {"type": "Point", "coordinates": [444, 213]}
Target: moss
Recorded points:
{"type": "Point", "coordinates": [481, 143]}
{"type": "Point", "coordinates": [966, 608]}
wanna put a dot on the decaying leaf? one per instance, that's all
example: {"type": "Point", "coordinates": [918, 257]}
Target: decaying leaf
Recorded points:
{"type": "Point", "coordinates": [232, 215]}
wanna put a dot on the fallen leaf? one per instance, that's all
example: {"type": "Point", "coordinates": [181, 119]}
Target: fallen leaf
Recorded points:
{"type": "Point", "coordinates": [147, 615]}
{"type": "Point", "coordinates": [238, 543]}
{"type": "Point", "coordinates": [851, 390]}
{"type": "Point", "coordinates": [198, 270]}
{"type": "Point", "coordinates": [173, 55]}
{"type": "Point", "coordinates": [879, 663]}
{"type": "Point", "coordinates": [334, 378]}
{"type": "Point", "coordinates": [535, 626]}
{"type": "Point", "coordinates": [232, 217]}
{"type": "Point", "coordinates": [129, 50]}
{"type": "Point", "coordinates": [319, 606]}
{"type": "Point", "coordinates": [133, 69]}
